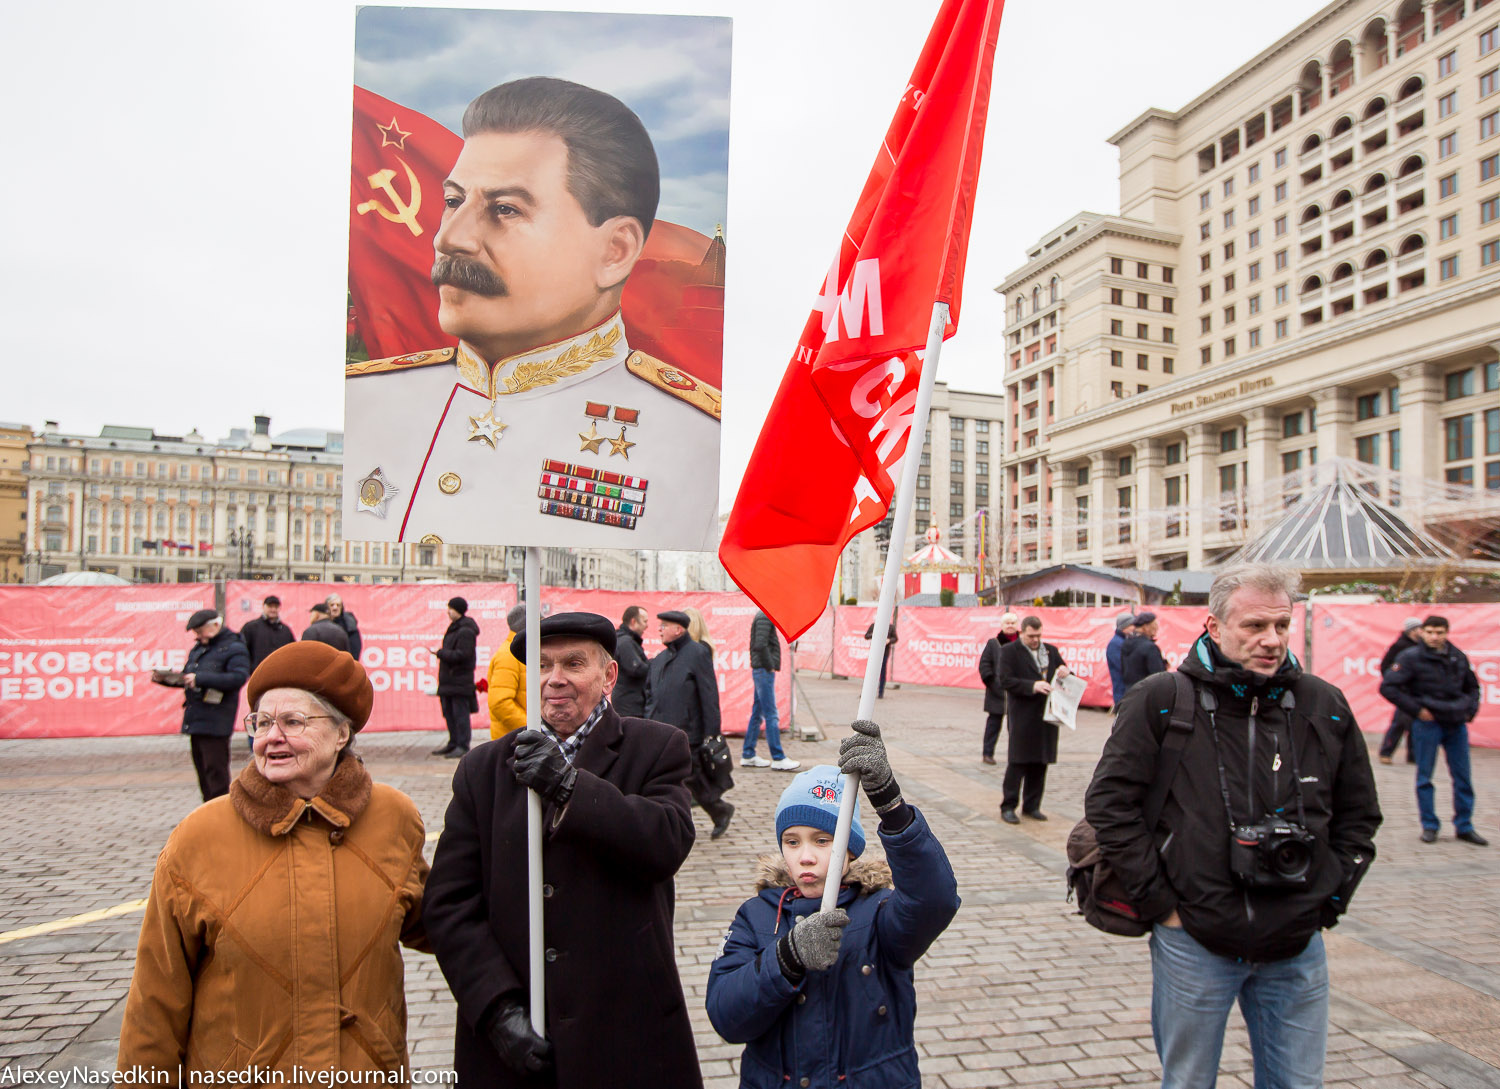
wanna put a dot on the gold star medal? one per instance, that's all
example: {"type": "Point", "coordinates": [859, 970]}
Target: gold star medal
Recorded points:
{"type": "Point", "coordinates": [486, 428]}
{"type": "Point", "coordinates": [593, 440]}
{"type": "Point", "coordinates": [620, 446]}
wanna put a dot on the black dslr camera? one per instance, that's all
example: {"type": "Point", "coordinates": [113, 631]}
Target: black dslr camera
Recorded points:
{"type": "Point", "coordinates": [1273, 853]}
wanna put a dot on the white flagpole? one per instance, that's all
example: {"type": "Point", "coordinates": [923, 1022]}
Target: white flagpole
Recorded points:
{"type": "Point", "coordinates": [533, 591]}
{"type": "Point", "coordinates": [904, 500]}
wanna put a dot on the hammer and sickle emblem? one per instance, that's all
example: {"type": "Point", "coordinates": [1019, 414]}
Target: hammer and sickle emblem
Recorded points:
{"type": "Point", "coordinates": [404, 213]}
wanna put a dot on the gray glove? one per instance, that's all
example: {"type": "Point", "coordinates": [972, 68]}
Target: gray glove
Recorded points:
{"type": "Point", "coordinates": [812, 945]}
{"type": "Point", "coordinates": [863, 754]}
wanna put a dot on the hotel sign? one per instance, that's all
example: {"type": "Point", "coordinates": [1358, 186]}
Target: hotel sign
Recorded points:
{"type": "Point", "coordinates": [1228, 393]}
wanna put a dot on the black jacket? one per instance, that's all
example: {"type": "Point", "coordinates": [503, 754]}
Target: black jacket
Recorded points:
{"type": "Point", "coordinates": [629, 697]}
{"type": "Point", "coordinates": [683, 690]}
{"type": "Point", "coordinates": [989, 672]}
{"type": "Point", "coordinates": [615, 1009]}
{"type": "Point", "coordinates": [456, 658]}
{"type": "Point", "coordinates": [1439, 681]}
{"type": "Point", "coordinates": [346, 621]}
{"type": "Point", "coordinates": [220, 669]}
{"type": "Point", "coordinates": [327, 631]}
{"type": "Point", "coordinates": [1393, 651]}
{"type": "Point", "coordinates": [1139, 658]}
{"type": "Point", "coordinates": [262, 636]}
{"type": "Point", "coordinates": [1183, 863]}
{"type": "Point", "coordinates": [765, 645]}
{"type": "Point", "coordinates": [1032, 741]}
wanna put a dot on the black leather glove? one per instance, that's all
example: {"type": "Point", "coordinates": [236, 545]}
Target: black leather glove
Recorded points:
{"type": "Point", "coordinates": [540, 765]}
{"type": "Point", "coordinates": [812, 945]}
{"type": "Point", "coordinates": [511, 1035]}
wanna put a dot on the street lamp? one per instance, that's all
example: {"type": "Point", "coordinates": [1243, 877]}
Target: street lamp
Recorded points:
{"type": "Point", "coordinates": [322, 554]}
{"type": "Point", "coordinates": [244, 541]}
{"type": "Point", "coordinates": [37, 557]}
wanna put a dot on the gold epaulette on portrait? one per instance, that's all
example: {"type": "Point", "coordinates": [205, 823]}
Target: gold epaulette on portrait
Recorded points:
{"type": "Point", "coordinates": [407, 362]}
{"type": "Point", "coordinates": [679, 384]}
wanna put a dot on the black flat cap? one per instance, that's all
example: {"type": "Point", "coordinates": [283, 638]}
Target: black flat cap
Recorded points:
{"type": "Point", "coordinates": [672, 616]}
{"type": "Point", "coordinates": [201, 617]}
{"type": "Point", "coordinates": [576, 625]}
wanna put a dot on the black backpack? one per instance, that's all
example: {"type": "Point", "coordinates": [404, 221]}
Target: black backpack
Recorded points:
{"type": "Point", "coordinates": [1101, 896]}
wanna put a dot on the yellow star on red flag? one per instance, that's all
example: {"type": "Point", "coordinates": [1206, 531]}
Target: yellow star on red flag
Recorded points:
{"type": "Point", "coordinates": [392, 135]}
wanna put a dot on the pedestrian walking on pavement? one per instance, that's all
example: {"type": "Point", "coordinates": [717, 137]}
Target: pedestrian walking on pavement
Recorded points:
{"type": "Point", "coordinates": [455, 682]}
{"type": "Point", "coordinates": [271, 940]}
{"type": "Point", "coordinates": [1265, 830]}
{"type": "Point", "coordinates": [217, 668]}
{"type": "Point", "coordinates": [1113, 654]}
{"type": "Point", "coordinates": [885, 654]}
{"type": "Point", "coordinates": [765, 663]}
{"type": "Point", "coordinates": [345, 619]}
{"type": "Point", "coordinates": [618, 827]}
{"type": "Point", "coordinates": [683, 691]}
{"type": "Point", "coordinates": [994, 692]}
{"type": "Point", "coordinates": [1027, 669]}
{"type": "Point", "coordinates": [817, 996]}
{"type": "Point", "coordinates": [321, 628]}
{"type": "Point", "coordinates": [1411, 636]}
{"type": "Point", "coordinates": [629, 697]}
{"type": "Point", "coordinates": [1436, 686]}
{"type": "Point", "coordinates": [266, 632]}
{"type": "Point", "coordinates": [1141, 657]}
{"type": "Point", "coordinates": [505, 678]}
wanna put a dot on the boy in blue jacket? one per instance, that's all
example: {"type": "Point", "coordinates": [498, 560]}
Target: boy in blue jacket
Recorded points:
{"type": "Point", "coordinates": [825, 999]}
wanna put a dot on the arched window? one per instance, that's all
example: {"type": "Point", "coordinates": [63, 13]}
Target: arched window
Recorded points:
{"type": "Point", "coordinates": [1310, 86]}
{"type": "Point", "coordinates": [1052, 290]}
{"type": "Point", "coordinates": [1377, 106]}
{"type": "Point", "coordinates": [1312, 212]}
{"type": "Point", "coordinates": [1341, 198]}
{"type": "Point", "coordinates": [1411, 244]}
{"type": "Point", "coordinates": [1311, 142]}
{"type": "Point", "coordinates": [1410, 87]}
{"type": "Point", "coordinates": [1410, 165]}
{"type": "Point", "coordinates": [1343, 272]}
{"type": "Point", "coordinates": [1036, 299]}
{"type": "Point", "coordinates": [1376, 259]}
{"type": "Point", "coordinates": [1376, 181]}
{"type": "Point", "coordinates": [1019, 303]}
{"type": "Point", "coordinates": [1342, 125]}
{"type": "Point", "coordinates": [1372, 50]}
{"type": "Point", "coordinates": [1312, 283]}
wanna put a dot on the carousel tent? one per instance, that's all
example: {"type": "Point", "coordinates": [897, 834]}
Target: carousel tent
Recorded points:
{"type": "Point", "coordinates": [84, 578]}
{"type": "Point", "coordinates": [933, 568]}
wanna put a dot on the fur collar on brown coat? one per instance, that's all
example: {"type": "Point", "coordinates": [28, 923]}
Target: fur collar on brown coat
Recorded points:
{"type": "Point", "coordinates": [272, 809]}
{"type": "Point", "coordinates": [866, 874]}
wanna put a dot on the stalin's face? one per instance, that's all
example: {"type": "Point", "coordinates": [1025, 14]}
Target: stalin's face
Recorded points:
{"type": "Point", "coordinates": [518, 264]}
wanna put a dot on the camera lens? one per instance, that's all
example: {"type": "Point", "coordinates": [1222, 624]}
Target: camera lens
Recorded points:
{"type": "Point", "coordinates": [1291, 857]}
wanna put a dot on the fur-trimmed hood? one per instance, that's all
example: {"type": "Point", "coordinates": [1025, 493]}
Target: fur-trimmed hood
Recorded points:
{"type": "Point", "coordinates": [866, 875]}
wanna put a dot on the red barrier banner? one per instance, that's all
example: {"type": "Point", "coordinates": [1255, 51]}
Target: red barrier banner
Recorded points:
{"type": "Point", "coordinates": [402, 623]}
{"type": "Point", "coordinates": [942, 646]}
{"type": "Point", "coordinates": [850, 648]}
{"type": "Point", "coordinates": [815, 645]}
{"type": "Point", "coordinates": [76, 661]}
{"type": "Point", "coordinates": [1349, 640]}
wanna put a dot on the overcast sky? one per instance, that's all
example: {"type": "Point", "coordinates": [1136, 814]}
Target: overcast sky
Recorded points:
{"type": "Point", "coordinates": [176, 177]}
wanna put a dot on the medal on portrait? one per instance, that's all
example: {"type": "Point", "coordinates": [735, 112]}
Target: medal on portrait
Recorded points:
{"type": "Point", "coordinates": [534, 339]}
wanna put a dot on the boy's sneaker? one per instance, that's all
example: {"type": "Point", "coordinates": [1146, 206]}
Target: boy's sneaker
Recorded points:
{"type": "Point", "coordinates": [754, 762]}
{"type": "Point", "coordinates": [786, 763]}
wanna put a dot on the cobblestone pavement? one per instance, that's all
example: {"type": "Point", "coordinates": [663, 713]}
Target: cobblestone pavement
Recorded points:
{"type": "Point", "coordinates": [1017, 992]}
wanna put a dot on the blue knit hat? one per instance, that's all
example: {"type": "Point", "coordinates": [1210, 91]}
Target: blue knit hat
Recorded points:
{"type": "Point", "coordinates": [813, 801]}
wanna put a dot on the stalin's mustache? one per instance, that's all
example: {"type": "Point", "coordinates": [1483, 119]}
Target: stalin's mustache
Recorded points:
{"type": "Point", "coordinates": [467, 274]}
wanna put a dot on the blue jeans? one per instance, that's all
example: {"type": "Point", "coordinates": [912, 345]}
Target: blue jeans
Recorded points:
{"type": "Point", "coordinates": [1425, 739]}
{"type": "Point", "coordinates": [764, 707]}
{"type": "Point", "coordinates": [1285, 1004]}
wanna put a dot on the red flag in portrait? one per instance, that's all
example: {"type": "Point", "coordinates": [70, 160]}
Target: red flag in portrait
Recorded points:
{"type": "Point", "coordinates": [823, 467]}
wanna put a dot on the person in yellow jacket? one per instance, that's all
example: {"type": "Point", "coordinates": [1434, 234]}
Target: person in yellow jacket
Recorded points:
{"type": "Point", "coordinates": [507, 681]}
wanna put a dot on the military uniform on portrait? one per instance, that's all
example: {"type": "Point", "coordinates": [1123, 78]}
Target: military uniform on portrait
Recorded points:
{"type": "Point", "coordinates": [581, 443]}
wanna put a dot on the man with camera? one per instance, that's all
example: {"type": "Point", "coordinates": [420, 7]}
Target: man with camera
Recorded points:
{"type": "Point", "coordinates": [1267, 827]}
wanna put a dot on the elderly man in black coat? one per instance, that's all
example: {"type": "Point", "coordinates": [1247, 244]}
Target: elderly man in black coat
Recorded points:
{"type": "Point", "coordinates": [1027, 669]}
{"type": "Point", "coordinates": [683, 690]}
{"type": "Point", "coordinates": [994, 694]}
{"type": "Point", "coordinates": [217, 668]}
{"type": "Point", "coordinates": [617, 827]}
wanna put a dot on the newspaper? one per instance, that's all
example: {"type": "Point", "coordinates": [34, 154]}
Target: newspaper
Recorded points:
{"type": "Point", "coordinates": [1062, 702]}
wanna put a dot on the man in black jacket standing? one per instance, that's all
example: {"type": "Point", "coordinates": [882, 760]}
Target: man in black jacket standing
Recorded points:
{"type": "Point", "coordinates": [1411, 636]}
{"type": "Point", "coordinates": [629, 697]}
{"type": "Point", "coordinates": [1267, 827]}
{"type": "Point", "coordinates": [266, 632]}
{"type": "Point", "coordinates": [1027, 669]}
{"type": "Point", "coordinates": [321, 628]}
{"type": "Point", "coordinates": [683, 691]}
{"type": "Point", "coordinates": [1435, 685]}
{"type": "Point", "coordinates": [1140, 656]}
{"type": "Point", "coordinates": [217, 668]}
{"type": "Point", "coordinates": [994, 692]}
{"type": "Point", "coordinates": [455, 684]}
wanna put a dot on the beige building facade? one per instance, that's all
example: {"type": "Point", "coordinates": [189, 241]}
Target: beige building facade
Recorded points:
{"type": "Point", "coordinates": [1305, 268]}
{"type": "Point", "coordinates": [14, 439]}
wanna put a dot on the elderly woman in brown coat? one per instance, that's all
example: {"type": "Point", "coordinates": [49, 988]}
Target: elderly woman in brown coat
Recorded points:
{"type": "Point", "coordinates": [272, 934]}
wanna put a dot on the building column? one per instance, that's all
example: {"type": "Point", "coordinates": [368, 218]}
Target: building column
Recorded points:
{"type": "Point", "coordinates": [1261, 432]}
{"type": "Point", "coordinates": [1148, 499]}
{"type": "Point", "coordinates": [1391, 37]}
{"type": "Point", "coordinates": [1427, 24]}
{"type": "Point", "coordinates": [1200, 451]}
{"type": "Point", "coordinates": [1103, 470]}
{"type": "Point", "coordinates": [1335, 416]}
{"type": "Point", "coordinates": [1421, 436]}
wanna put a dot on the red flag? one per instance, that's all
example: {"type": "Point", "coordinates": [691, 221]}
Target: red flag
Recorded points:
{"type": "Point", "coordinates": [822, 468]}
{"type": "Point", "coordinates": [673, 304]}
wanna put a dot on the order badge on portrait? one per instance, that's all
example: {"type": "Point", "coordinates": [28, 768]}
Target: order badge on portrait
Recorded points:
{"type": "Point", "coordinates": [534, 337]}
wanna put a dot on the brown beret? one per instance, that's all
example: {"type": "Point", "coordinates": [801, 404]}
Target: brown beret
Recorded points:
{"type": "Point", "coordinates": [320, 669]}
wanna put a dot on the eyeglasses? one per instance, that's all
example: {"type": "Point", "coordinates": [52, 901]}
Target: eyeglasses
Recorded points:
{"type": "Point", "coordinates": [292, 723]}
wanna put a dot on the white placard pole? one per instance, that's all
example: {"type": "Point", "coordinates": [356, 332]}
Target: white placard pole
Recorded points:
{"type": "Point", "coordinates": [533, 590]}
